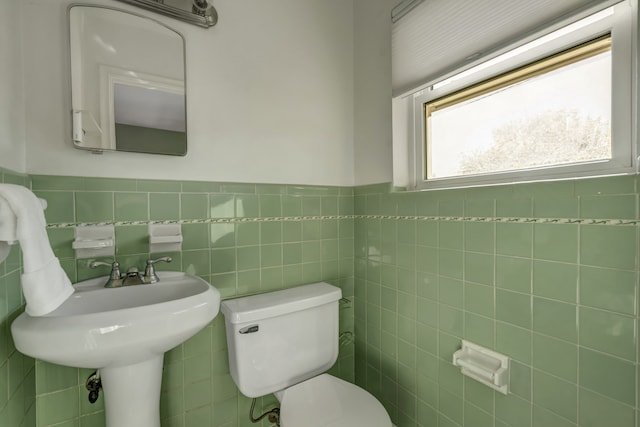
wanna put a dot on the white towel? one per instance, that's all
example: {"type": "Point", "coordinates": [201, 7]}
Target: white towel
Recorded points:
{"type": "Point", "coordinates": [7, 223]}
{"type": "Point", "coordinates": [44, 283]}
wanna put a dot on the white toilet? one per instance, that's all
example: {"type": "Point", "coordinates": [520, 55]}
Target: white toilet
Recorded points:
{"type": "Point", "coordinates": [281, 342]}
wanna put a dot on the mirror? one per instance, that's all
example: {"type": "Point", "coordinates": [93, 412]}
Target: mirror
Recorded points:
{"type": "Point", "coordinates": [127, 83]}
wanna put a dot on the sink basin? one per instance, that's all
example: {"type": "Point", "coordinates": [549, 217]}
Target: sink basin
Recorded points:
{"type": "Point", "coordinates": [98, 327]}
{"type": "Point", "coordinates": [124, 332]}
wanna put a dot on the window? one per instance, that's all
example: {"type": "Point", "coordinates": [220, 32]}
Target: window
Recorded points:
{"type": "Point", "coordinates": [559, 106]}
{"type": "Point", "coordinates": [552, 112]}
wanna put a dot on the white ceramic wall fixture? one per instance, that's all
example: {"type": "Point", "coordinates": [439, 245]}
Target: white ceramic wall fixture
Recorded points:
{"type": "Point", "coordinates": [124, 332]}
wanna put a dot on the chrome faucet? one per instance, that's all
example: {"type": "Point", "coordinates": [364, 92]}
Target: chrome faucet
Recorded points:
{"type": "Point", "coordinates": [133, 275]}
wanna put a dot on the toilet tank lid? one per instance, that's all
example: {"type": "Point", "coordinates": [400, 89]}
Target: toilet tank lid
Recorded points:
{"type": "Point", "coordinates": [271, 304]}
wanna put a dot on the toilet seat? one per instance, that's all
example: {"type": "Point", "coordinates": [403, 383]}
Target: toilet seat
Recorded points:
{"type": "Point", "coordinates": [327, 401]}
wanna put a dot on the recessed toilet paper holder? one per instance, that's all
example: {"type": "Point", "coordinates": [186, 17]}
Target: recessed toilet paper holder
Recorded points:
{"type": "Point", "coordinates": [483, 365]}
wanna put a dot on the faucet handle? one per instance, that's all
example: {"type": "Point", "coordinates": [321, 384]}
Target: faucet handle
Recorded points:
{"type": "Point", "coordinates": [115, 268]}
{"type": "Point", "coordinates": [115, 277]}
{"type": "Point", "coordinates": [164, 258]}
{"type": "Point", "coordinates": [150, 275]}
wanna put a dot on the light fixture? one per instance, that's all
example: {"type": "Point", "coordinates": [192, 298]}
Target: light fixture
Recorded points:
{"type": "Point", "coordinates": [197, 12]}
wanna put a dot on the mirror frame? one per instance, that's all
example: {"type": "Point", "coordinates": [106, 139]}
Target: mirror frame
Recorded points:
{"type": "Point", "coordinates": [78, 130]}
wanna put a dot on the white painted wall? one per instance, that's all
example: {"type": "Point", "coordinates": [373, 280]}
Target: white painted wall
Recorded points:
{"type": "Point", "coordinates": [372, 115]}
{"type": "Point", "coordinates": [12, 116]}
{"type": "Point", "coordinates": [270, 96]}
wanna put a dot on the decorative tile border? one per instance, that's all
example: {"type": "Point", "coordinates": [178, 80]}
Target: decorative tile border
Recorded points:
{"type": "Point", "coordinates": [234, 220]}
{"type": "Point", "coordinates": [583, 221]}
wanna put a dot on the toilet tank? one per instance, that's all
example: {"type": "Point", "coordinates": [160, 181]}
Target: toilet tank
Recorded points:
{"type": "Point", "coordinates": [278, 339]}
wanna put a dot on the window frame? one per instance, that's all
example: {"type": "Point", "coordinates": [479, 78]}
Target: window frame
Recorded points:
{"type": "Point", "coordinates": [622, 27]}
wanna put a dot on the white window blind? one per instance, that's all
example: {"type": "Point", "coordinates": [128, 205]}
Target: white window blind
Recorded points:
{"type": "Point", "coordinates": [431, 39]}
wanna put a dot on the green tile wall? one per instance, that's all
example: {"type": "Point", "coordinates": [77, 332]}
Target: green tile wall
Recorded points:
{"type": "Point", "coordinates": [517, 268]}
{"type": "Point", "coordinates": [17, 373]}
{"type": "Point", "coordinates": [521, 269]}
{"type": "Point", "coordinates": [243, 238]}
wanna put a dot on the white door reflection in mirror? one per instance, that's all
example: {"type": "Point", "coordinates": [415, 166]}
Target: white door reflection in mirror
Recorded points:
{"type": "Point", "coordinates": [128, 87]}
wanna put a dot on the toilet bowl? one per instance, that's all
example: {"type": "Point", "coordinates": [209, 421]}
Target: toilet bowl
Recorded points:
{"type": "Point", "coordinates": [329, 401]}
{"type": "Point", "coordinates": [282, 342]}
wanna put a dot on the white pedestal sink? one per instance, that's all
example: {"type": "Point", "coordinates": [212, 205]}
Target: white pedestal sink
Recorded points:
{"type": "Point", "coordinates": [124, 332]}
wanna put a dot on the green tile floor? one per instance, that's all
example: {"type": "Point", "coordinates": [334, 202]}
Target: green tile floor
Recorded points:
{"type": "Point", "coordinates": [510, 267]}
